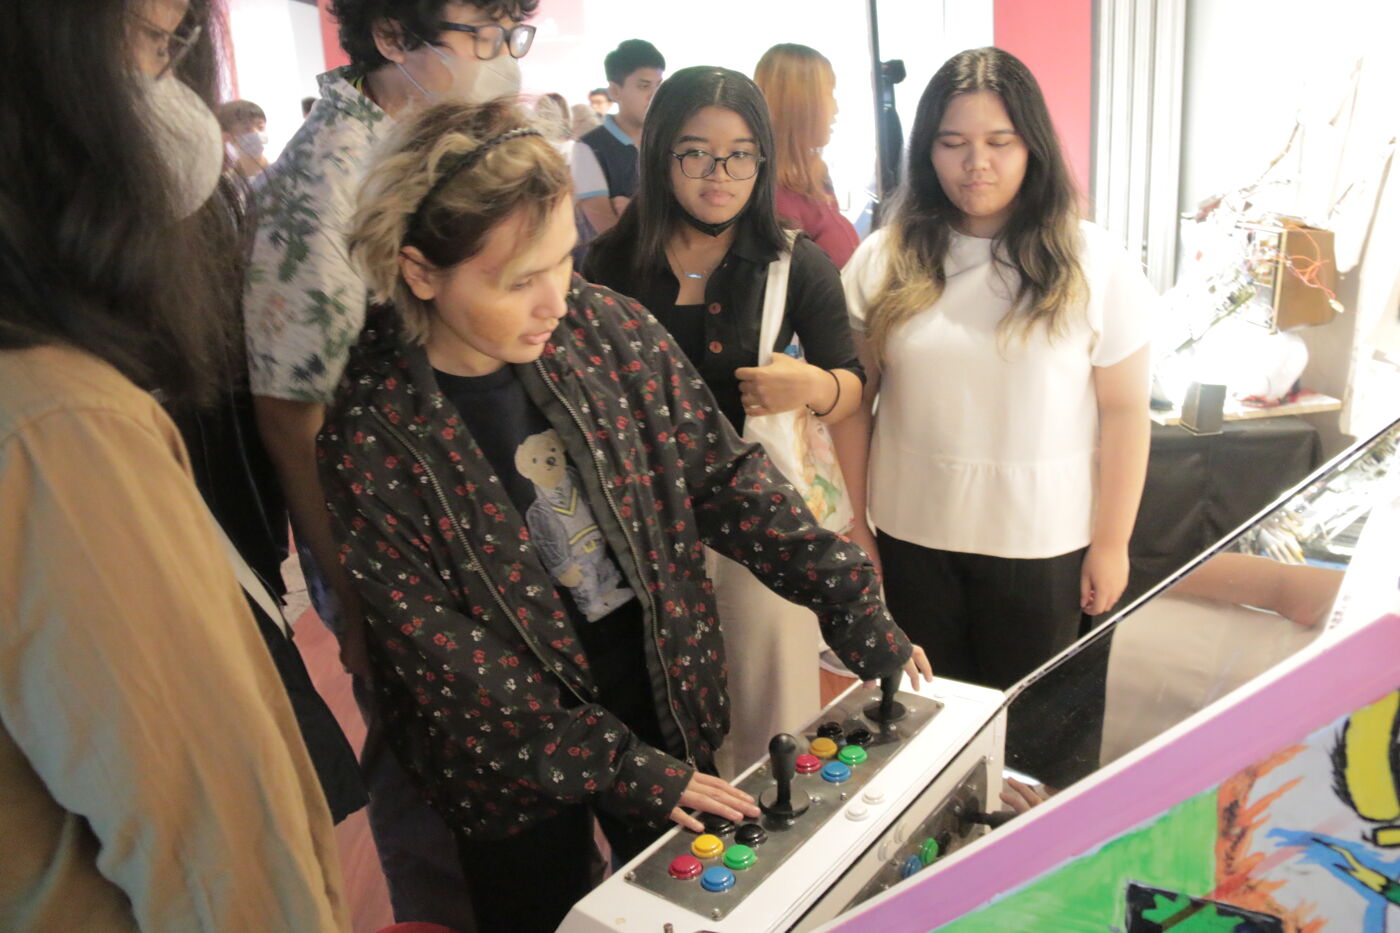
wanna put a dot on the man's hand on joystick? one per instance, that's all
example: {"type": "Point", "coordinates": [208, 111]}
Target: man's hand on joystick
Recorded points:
{"type": "Point", "coordinates": [710, 794]}
{"type": "Point", "coordinates": [917, 666]}
{"type": "Point", "coordinates": [888, 710]}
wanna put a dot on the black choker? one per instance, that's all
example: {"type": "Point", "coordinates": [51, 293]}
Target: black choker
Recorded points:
{"type": "Point", "coordinates": [711, 229]}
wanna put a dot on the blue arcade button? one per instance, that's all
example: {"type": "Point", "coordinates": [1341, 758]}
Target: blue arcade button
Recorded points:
{"type": "Point", "coordinates": [717, 878]}
{"type": "Point", "coordinates": [836, 772]}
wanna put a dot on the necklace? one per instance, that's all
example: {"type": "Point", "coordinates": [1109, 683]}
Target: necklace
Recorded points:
{"type": "Point", "coordinates": [679, 268]}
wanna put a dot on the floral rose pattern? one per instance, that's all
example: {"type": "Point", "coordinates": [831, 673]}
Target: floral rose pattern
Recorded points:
{"type": "Point", "coordinates": [484, 687]}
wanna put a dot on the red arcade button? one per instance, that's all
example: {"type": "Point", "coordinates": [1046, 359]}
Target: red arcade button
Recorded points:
{"type": "Point", "coordinates": [686, 867]}
{"type": "Point", "coordinates": [808, 764]}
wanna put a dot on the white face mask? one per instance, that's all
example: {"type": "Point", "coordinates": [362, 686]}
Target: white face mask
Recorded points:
{"type": "Point", "coordinates": [251, 144]}
{"type": "Point", "coordinates": [499, 77]}
{"type": "Point", "coordinates": [188, 138]}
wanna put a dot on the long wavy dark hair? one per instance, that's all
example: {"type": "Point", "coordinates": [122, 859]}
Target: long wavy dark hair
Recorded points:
{"type": "Point", "coordinates": [1040, 241]}
{"type": "Point", "coordinates": [654, 213]}
{"type": "Point", "coordinates": [90, 255]}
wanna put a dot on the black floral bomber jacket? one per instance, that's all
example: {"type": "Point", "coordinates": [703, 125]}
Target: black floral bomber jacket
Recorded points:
{"type": "Point", "coordinates": [479, 673]}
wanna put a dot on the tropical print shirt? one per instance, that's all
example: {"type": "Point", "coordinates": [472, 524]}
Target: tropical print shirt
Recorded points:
{"type": "Point", "coordinates": [480, 677]}
{"type": "Point", "coordinates": [304, 302]}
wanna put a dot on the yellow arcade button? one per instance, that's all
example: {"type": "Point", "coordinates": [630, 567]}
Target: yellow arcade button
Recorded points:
{"type": "Point", "coordinates": [823, 747]}
{"type": "Point", "coordinates": [707, 846]}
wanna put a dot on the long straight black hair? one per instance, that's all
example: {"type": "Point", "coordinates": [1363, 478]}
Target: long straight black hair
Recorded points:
{"type": "Point", "coordinates": [655, 214]}
{"type": "Point", "coordinates": [90, 253]}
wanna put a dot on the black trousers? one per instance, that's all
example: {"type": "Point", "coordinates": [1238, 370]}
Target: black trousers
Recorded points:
{"type": "Point", "coordinates": [993, 620]}
{"type": "Point", "coordinates": [982, 620]}
{"type": "Point", "coordinates": [528, 882]}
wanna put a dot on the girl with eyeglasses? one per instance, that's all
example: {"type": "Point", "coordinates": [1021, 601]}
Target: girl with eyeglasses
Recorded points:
{"type": "Point", "coordinates": [694, 248]}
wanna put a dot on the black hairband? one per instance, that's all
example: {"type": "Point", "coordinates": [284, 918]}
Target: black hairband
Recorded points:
{"type": "Point", "coordinates": [465, 161]}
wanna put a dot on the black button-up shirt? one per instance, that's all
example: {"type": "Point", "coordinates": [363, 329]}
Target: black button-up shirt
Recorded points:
{"type": "Point", "coordinates": [733, 308]}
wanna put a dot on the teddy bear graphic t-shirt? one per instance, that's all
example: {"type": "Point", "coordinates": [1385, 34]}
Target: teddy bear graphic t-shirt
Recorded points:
{"type": "Point", "coordinates": [529, 459]}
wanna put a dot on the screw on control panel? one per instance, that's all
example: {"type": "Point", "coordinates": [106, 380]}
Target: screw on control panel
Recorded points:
{"type": "Point", "coordinates": [716, 914]}
{"type": "Point", "coordinates": [844, 795]}
{"type": "Point", "coordinates": [631, 876]}
{"type": "Point", "coordinates": [816, 798]}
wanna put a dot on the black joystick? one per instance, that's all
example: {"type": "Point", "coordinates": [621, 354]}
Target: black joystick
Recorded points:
{"type": "Point", "coordinates": [888, 710]}
{"type": "Point", "coordinates": [781, 801]}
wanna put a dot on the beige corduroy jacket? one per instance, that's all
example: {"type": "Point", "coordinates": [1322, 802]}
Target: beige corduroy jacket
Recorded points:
{"type": "Point", "coordinates": [151, 773]}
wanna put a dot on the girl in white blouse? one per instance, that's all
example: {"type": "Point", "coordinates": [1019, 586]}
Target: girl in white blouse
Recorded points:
{"type": "Point", "coordinates": [1006, 343]}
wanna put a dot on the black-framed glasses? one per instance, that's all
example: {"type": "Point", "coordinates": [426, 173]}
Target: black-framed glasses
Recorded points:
{"type": "Point", "coordinates": [159, 51]}
{"type": "Point", "coordinates": [697, 163]}
{"type": "Point", "coordinates": [489, 40]}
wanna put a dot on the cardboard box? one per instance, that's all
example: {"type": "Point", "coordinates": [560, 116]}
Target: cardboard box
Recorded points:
{"type": "Point", "coordinates": [1294, 267]}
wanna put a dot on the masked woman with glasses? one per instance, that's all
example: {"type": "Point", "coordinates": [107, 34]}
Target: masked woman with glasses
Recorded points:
{"type": "Point", "coordinates": [153, 774]}
{"type": "Point", "coordinates": [694, 248]}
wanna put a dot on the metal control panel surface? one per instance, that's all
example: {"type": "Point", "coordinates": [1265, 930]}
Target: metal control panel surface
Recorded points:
{"type": "Point", "coordinates": [785, 837]}
{"type": "Point", "coordinates": [797, 867]}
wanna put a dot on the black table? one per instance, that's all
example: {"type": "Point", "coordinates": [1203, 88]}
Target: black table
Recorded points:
{"type": "Point", "coordinates": [1199, 489]}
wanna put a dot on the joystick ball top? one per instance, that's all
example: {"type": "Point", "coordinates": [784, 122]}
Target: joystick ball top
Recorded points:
{"type": "Point", "coordinates": [781, 745]}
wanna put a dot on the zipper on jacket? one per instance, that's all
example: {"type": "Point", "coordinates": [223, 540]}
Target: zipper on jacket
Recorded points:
{"type": "Point", "coordinates": [636, 556]}
{"type": "Point", "coordinates": [472, 562]}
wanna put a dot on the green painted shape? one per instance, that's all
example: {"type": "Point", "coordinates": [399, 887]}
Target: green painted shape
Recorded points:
{"type": "Point", "coordinates": [1206, 920]}
{"type": "Point", "coordinates": [1176, 852]}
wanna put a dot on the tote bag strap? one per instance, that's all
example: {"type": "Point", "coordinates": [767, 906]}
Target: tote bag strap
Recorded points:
{"type": "Point", "coordinates": [252, 584]}
{"type": "Point", "coordinates": [774, 301]}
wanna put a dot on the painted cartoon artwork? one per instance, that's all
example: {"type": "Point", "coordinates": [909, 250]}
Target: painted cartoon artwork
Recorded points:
{"type": "Point", "coordinates": [1152, 910]}
{"type": "Point", "coordinates": [1363, 759]}
{"type": "Point", "coordinates": [1364, 764]}
{"type": "Point", "coordinates": [1306, 840]}
{"type": "Point", "coordinates": [562, 525]}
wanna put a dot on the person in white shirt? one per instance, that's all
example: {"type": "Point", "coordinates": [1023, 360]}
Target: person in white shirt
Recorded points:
{"type": "Point", "coordinates": [1006, 342]}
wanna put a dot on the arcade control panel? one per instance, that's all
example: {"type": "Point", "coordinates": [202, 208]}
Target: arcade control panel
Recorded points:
{"type": "Point", "coordinates": [836, 821]}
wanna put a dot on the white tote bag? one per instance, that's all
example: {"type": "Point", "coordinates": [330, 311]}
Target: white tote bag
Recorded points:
{"type": "Point", "coordinates": [796, 441]}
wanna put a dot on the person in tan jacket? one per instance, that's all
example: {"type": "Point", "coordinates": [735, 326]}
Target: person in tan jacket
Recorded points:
{"type": "Point", "coordinates": [152, 776]}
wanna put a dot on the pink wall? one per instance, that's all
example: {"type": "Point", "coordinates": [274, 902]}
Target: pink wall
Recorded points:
{"type": "Point", "coordinates": [335, 56]}
{"type": "Point", "coordinates": [1056, 41]}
